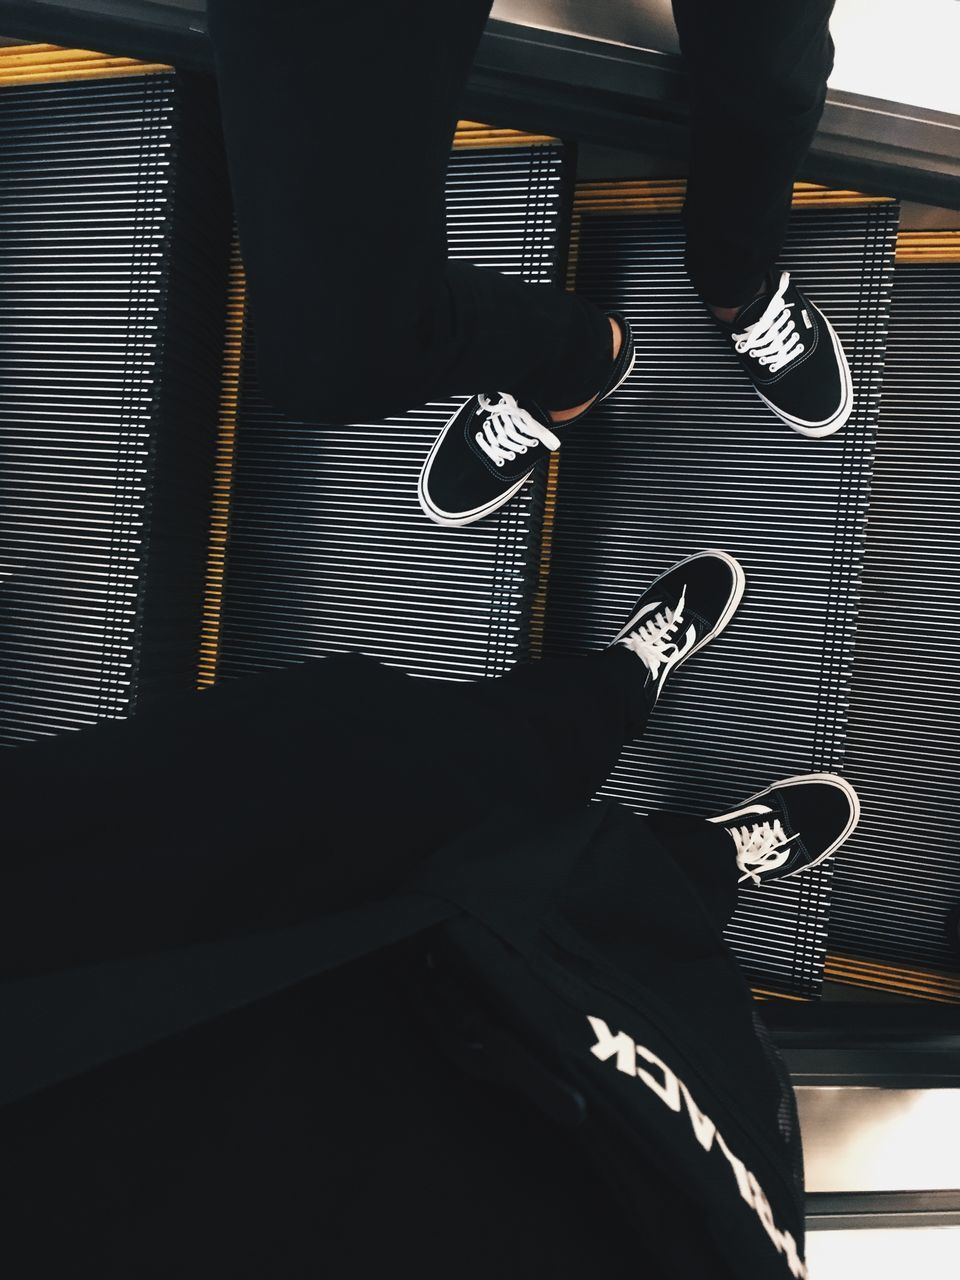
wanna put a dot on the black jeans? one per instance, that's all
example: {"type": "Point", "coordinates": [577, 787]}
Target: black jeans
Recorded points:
{"type": "Point", "coordinates": [758, 75]}
{"type": "Point", "coordinates": [283, 796]}
{"type": "Point", "coordinates": [338, 120]}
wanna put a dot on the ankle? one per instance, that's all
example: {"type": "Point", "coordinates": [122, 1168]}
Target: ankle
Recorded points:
{"type": "Point", "coordinates": [617, 336]}
{"type": "Point", "coordinates": [726, 314]}
{"type": "Point", "coordinates": [564, 415]}
{"type": "Point", "coordinates": [729, 314]}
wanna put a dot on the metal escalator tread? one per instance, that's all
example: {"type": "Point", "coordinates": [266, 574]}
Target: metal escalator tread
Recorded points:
{"type": "Point", "coordinates": [329, 549]}
{"type": "Point", "coordinates": [115, 240]}
{"type": "Point", "coordinates": [894, 889]}
{"type": "Point", "coordinates": [688, 457]}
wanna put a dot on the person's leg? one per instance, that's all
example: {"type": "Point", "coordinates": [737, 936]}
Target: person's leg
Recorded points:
{"type": "Point", "coordinates": [262, 800]}
{"type": "Point", "coordinates": [338, 121]}
{"type": "Point", "coordinates": [581, 712]}
{"type": "Point", "coordinates": [758, 75]}
{"type": "Point", "coordinates": [313, 788]}
{"type": "Point", "coordinates": [706, 855]}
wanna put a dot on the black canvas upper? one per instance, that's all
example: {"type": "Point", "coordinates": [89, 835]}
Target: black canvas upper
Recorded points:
{"type": "Point", "coordinates": [461, 482]}
{"type": "Point", "coordinates": [710, 585]}
{"type": "Point", "coordinates": [813, 814]}
{"type": "Point", "coordinates": [813, 387]}
{"type": "Point", "coordinates": [707, 581]}
{"type": "Point", "coordinates": [460, 466]}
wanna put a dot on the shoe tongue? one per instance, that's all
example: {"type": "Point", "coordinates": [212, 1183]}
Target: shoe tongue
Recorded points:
{"type": "Point", "coordinates": [778, 805]}
{"type": "Point", "coordinates": [755, 308]}
{"type": "Point", "coordinates": [544, 418]}
{"type": "Point", "coordinates": [750, 312]}
{"type": "Point", "coordinates": [531, 407]}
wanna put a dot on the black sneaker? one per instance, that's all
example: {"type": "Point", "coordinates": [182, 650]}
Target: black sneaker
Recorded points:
{"type": "Point", "coordinates": [792, 825]}
{"type": "Point", "coordinates": [685, 609]}
{"type": "Point", "coordinates": [792, 355]}
{"type": "Point", "coordinates": [493, 442]}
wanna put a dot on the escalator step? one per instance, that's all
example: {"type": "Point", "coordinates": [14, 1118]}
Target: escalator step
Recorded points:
{"type": "Point", "coordinates": [329, 549]}
{"type": "Point", "coordinates": [687, 457]}
{"type": "Point", "coordinates": [894, 889]}
{"type": "Point", "coordinates": [114, 242]}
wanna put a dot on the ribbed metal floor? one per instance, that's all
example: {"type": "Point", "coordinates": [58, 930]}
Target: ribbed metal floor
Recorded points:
{"type": "Point", "coordinates": [688, 457]}
{"type": "Point", "coordinates": [108, 272]}
{"type": "Point", "coordinates": [901, 872]}
{"type": "Point", "coordinates": [82, 218]}
{"type": "Point", "coordinates": [329, 549]}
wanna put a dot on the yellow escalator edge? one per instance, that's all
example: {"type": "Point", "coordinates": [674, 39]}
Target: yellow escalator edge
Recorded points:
{"type": "Point", "coordinates": [44, 63]}
{"type": "Point", "coordinates": [539, 607]}
{"type": "Point", "coordinates": [223, 473]}
{"type": "Point", "coordinates": [928, 246]}
{"type": "Point", "coordinates": [762, 993]}
{"type": "Point", "coordinates": [470, 133]}
{"type": "Point", "coordinates": [922, 984]}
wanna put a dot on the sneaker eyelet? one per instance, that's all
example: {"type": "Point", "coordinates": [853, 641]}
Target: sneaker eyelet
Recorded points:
{"type": "Point", "coordinates": [499, 462]}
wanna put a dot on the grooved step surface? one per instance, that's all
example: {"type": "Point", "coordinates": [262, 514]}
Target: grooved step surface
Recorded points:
{"type": "Point", "coordinates": [114, 243]}
{"type": "Point", "coordinates": [82, 212]}
{"type": "Point", "coordinates": [329, 549]}
{"type": "Point", "coordinates": [901, 872]}
{"type": "Point", "coordinates": [687, 457]}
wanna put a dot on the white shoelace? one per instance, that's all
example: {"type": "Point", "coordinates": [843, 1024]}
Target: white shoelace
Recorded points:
{"type": "Point", "coordinates": [655, 639]}
{"type": "Point", "coordinates": [762, 847]}
{"type": "Point", "coordinates": [773, 339]}
{"type": "Point", "coordinates": [509, 430]}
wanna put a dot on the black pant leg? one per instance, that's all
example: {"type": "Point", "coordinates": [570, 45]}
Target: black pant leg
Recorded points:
{"type": "Point", "coordinates": [338, 121]}
{"type": "Point", "coordinates": [758, 75]}
{"type": "Point", "coordinates": [706, 854]}
{"type": "Point", "coordinates": [582, 712]}
{"type": "Point", "coordinates": [268, 799]}
{"type": "Point", "coordinates": [256, 803]}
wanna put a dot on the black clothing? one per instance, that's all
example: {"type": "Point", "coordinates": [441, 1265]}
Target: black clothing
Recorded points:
{"type": "Point", "coordinates": [357, 312]}
{"type": "Point", "coordinates": [274, 774]}
{"type": "Point", "coordinates": [344, 247]}
{"type": "Point", "coordinates": [758, 77]}
{"type": "Point", "coordinates": [304, 1098]}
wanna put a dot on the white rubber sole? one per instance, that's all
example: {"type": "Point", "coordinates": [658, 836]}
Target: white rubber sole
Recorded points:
{"type": "Point", "coordinates": [458, 519]}
{"type": "Point", "coordinates": [832, 779]}
{"type": "Point", "coordinates": [736, 595]}
{"type": "Point", "coordinates": [818, 430]}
